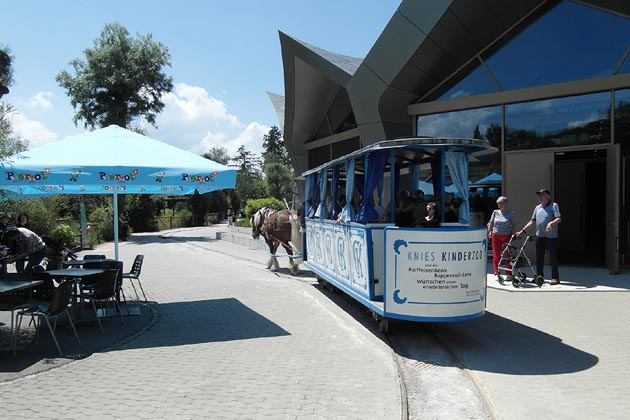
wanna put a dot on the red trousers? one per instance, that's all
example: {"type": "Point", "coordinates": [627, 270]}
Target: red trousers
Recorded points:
{"type": "Point", "coordinates": [497, 246]}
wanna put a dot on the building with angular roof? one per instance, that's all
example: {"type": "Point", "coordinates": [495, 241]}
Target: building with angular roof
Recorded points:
{"type": "Point", "coordinates": [546, 81]}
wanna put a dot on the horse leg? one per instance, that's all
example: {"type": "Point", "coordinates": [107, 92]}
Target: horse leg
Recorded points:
{"type": "Point", "coordinates": [276, 266]}
{"type": "Point", "coordinates": [292, 265]}
{"type": "Point", "coordinates": [271, 250]}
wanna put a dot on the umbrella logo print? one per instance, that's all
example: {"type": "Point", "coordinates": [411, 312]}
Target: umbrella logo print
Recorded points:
{"type": "Point", "coordinates": [74, 176]}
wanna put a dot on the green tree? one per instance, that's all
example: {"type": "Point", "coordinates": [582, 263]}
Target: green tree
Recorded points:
{"type": "Point", "coordinates": [249, 177]}
{"type": "Point", "coordinates": [10, 143]}
{"type": "Point", "coordinates": [218, 154]}
{"type": "Point", "coordinates": [121, 79]}
{"type": "Point", "coordinates": [6, 70]}
{"type": "Point", "coordinates": [274, 150]}
{"type": "Point", "coordinates": [279, 180]}
{"type": "Point", "coordinates": [277, 165]}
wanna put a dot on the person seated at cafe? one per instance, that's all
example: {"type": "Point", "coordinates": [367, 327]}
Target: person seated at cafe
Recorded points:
{"type": "Point", "coordinates": [4, 251]}
{"type": "Point", "coordinates": [30, 244]}
{"type": "Point", "coordinates": [432, 219]}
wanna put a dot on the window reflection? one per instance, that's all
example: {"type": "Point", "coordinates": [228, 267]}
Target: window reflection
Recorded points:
{"type": "Point", "coordinates": [476, 82]}
{"type": "Point", "coordinates": [622, 118]}
{"type": "Point", "coordinates": [481, 123]}
{"type": "Point", "coordinates": [558, 122]}
{"type": "Point", "coordinates": [571, 42]}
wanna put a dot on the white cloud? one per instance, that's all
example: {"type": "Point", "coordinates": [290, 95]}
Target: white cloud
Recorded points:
{"type": "Point", "coordinates": [195, 121]}
{"type": "Point", "coordinates": [457, 124]}
{"type": "Point", "coordinates": [34, 131]}
{"type": "Point", "coordinates": [40, 101]}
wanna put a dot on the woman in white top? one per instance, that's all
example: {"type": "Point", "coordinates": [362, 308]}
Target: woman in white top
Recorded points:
{"type": "Point", "coordinates": [501, 227]}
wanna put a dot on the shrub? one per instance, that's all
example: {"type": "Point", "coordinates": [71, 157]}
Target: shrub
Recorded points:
{"type": "Point", "coordinates": [64, 234]}
{"type": "Point", "coordinates": [101, 220]}
{"type": "Point", "coordinates": [243, 223]}
{"type": "Point", "coordinates": [253, 206]}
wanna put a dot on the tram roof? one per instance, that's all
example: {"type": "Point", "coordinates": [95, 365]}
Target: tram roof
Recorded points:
{"type": "Point", "coordinates": [474, 147]}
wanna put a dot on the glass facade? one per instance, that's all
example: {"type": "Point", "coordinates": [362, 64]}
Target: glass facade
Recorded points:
{"type": "Point", "coordinates": [482, 123]}
{"type": "Point", "coordinates": [476, 82]}
{"type": "Point", "coordinates": [571, 121]}
{"type": "Point", "coordinates": [571, 42]}
{"type": "Point", "coordinates": [622, 118]}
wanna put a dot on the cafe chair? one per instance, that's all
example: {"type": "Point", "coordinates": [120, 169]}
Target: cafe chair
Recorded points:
{"type": "Point", "coordinates": [102, 289]}
{"type": "Point", "coordinates": [94, 257]}
{"type": "Point", "coordinates": [134, 274]}
{"type": "Point", "coordinates": [59, 305]}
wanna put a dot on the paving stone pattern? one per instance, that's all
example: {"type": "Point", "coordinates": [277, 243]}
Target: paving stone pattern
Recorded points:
{"type": "Point", "coordinates": [232, 341]}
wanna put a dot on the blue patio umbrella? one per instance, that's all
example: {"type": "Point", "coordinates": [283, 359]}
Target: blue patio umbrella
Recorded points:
{"type": "Point", "coordinates": [113, 161]}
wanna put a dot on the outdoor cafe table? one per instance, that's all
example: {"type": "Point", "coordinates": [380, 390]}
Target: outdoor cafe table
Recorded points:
{"type": "Point", "coordinates": [14, 285]}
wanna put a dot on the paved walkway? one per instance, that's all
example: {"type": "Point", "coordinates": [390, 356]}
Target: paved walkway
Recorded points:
{"type": "Point", "coordinates": [232, 341]}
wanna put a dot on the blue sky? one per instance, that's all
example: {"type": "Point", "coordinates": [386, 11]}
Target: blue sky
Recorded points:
{"type": "Point", "coordinates": [225, 55]}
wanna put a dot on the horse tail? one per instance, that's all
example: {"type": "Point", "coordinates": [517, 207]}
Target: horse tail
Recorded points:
{"type": "Point", "coordinates": [296, 235]}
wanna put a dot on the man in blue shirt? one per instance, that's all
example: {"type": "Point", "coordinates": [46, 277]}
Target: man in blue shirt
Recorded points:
{"type": "Point", "coordinates": [546, 217]}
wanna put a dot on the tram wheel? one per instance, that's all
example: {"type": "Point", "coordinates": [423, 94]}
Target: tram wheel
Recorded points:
{"type": "Point", "coordinates": [516, 282]}
{"type": "Point", "coordinates": [540, 280]}
{"type": "Point", "coordinates": [383, 325]}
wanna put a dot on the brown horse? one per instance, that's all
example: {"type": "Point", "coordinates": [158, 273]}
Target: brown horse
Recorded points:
{"type": "Point", "coordinates": [279, 227]}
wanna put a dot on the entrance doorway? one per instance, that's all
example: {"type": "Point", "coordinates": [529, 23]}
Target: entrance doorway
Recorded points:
{"type": "Point", "coordinates": [580, 190]}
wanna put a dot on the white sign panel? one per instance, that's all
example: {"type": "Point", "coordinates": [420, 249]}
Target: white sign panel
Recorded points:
{"type": "Point", "coordinates": [437, 274]}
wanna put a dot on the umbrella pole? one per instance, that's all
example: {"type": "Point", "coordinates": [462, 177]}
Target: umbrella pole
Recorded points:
{"type": "Point", "coordinates": [116, 226]}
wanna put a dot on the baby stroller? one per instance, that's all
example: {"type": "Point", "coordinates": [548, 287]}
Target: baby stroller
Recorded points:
{"type": "Point", "coordinates": [515, 256]}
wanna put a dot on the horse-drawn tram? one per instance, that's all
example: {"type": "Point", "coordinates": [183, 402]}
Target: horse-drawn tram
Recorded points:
{"type": "Point", "coordinates": [402, 247]}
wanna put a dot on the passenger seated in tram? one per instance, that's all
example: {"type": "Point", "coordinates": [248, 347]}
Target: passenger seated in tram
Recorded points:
{"type": "Point", "coordinates": [404, 217]}
{"type": "Point", "coordinates": [431, 220]}
{"type": "Point", "coordinates": [450, 214]}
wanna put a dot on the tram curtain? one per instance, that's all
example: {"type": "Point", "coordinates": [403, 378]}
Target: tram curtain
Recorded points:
{"type": "Point", "coordinates": [310, 193]}
{"type": "Point", "coordinates": [322, 210]}
{"type": "Point", "coordinates": [347, 214]}
{"type": "Point", "coordinates": [436, 176]}
{"type": "Point", "coordinates": [375, 167]}
{"type": "Point", "coordinates": [333, 192]}
{"type": "Point", "coordinates": [458, 168]}
{"type": "Point", "coordinates": [414, 177]}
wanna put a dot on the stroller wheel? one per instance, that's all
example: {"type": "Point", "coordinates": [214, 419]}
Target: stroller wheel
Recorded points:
{"type": "Point", "coordinates": [516, 282]}
{"type": "Point", "coordinates": [522, 277]}
{"type": "Point", "coordinates": [501, 280]}
{"type": "Point", "coordinates": [539, 280]}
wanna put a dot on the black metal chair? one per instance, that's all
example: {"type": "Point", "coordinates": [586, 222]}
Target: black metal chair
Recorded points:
{"type": "Point", "coordinates": [94, 257]}
{"type": "Point", "coordinates": [58, 305]}
{"type": "Point", "coordinates": [22, 299]}
{"type": "Point", "coordinates": [102, 288]}
{"type": "Point", "coordinates": [134, 274]}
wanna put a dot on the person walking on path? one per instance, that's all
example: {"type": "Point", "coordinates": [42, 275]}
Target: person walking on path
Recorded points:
{"type": "Point", "coordinates": [546, 217]}
{"type": "Point", "coordinates": [123, 225]}
{"type": "Point", "coordinates": [501, 227]}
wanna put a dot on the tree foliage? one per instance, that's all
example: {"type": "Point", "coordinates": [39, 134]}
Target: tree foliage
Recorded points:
{"type": "Point", "coordinates": [120, 79]}
{"type": "Point", "coordinates": [6, 69]}
{"type": "Point", "coordinates": [279, 180]}
{"type": "Point", "coordinates": [218, 154]}
{"type": "Point", "coordinates": [274, 150]}
{"type": "Point", "coordinates": [10, 143]}
{"type": "Point", "coordinates": [249, 177]}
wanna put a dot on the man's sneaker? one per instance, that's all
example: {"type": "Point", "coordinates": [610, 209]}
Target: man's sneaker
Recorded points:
{"type": "Point", "coordinates": [553, 282]}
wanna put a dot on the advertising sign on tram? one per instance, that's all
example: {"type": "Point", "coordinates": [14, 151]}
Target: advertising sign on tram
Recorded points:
{"type": "Point", "coordinates": [433, 276]}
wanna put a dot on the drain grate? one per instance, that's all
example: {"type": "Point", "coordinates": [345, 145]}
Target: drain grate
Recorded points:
{"type": "Point", "coordinates": [420, 365]}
